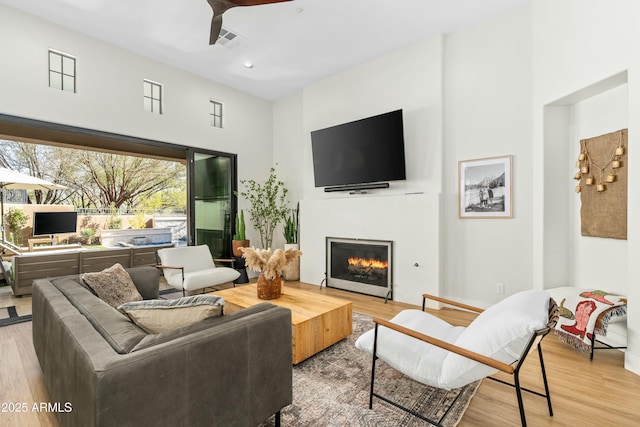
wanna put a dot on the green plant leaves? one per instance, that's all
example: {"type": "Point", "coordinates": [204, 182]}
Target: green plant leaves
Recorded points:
{"type": "Point", "coordinates": [268, 207]}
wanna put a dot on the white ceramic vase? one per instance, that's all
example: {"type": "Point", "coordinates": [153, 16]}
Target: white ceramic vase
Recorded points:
{"type": "Point", "coordinates": [292, 272]}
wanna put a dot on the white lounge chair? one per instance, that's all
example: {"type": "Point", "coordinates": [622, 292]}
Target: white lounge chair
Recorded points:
{"type": "Point", "coordinates": [433, 352]}
{"type": "Point", "coordinates": [190, 268]}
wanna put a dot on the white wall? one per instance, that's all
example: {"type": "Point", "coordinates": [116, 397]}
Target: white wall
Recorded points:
{"type": "Point", "coordinates": [410, 221]}
{"type": "Point", "coordinates": [503, 80]}
{"type": "Point", "coordinates": [597, 262]}
{"type": "Point", "coordinates": [288, 151]}
{"type": "Point", "coordinates": [488, 94]}
{"type": "Point", "coordinates": [410, 79]}
{"type": "Point", "coordinates": [584, 54]}
{"type": "Point", "coordinates": [109, 94]}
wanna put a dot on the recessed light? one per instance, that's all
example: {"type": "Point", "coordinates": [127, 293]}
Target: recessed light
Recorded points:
{"type": "Point", "coordinates": [248, 64]}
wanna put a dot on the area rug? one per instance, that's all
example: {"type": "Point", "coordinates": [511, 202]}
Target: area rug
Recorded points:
{"type": "Point", "coordinates": [332, 389]}
{"type": "Point", "coordinates": [9, 316]}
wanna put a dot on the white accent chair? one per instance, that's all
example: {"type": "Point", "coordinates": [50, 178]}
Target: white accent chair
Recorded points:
{"type": "Point", "coordinates": [433, 352]}
{"type": "Point", "coordinates": [190, 268]}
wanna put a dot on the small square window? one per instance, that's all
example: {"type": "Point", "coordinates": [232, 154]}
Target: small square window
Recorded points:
{"type": "Point", "coordinates": [152, 96]}
{"type": "Point", "coordinates": [215, 113]}
{"type": "Point", "coordinates": [62, 71]}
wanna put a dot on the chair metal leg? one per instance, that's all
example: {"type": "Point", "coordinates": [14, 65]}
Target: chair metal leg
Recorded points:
{"type": "Point", "coordinates": [544, 379]}
{"type": "Point", "coordinates": [516, 378]}
{"type": "Point", "coordinates": [396, 404]}
{"type": "Point", "coordinates": [373, 365]}
{"type": "Point", "coordinates": [277, 419]}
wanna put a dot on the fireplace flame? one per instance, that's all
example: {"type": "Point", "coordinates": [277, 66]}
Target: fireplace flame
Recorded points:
{"type": "Point", "coordinates": [368, 263]}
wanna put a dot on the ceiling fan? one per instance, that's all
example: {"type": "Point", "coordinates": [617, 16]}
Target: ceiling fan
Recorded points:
{"type": "Point", "coordinates": [220, 6]}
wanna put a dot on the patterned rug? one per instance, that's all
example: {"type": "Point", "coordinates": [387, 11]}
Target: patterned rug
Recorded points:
{"type": "Point", "coordinates": [332, 389]}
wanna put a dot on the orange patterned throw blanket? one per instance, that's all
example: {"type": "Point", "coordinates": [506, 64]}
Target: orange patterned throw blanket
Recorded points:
{"type": "Point", "coordinates": [584, 312]}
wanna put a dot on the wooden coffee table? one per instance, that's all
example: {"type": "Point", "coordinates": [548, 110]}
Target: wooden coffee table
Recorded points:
{"type": "Point", "coordinates": [318, 321]}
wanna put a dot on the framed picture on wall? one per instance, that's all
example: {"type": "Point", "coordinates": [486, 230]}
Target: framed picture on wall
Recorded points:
{"type": "Point", "coordinates": [484, 188]}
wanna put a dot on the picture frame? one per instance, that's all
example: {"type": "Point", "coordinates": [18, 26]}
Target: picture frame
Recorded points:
{"type": "Point", "coordinates": [484, 188]}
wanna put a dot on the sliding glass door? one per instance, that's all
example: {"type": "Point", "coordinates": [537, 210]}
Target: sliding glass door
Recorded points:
{"type": "Point", "coordinates": [212, 203]}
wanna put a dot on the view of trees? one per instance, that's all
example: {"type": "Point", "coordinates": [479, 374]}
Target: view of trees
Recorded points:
{"type": "Point", "coordinates": [97, 179]}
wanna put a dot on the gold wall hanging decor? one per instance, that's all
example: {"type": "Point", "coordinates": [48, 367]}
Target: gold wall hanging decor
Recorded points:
{"type": "Point", "coordinates": [602, 185]}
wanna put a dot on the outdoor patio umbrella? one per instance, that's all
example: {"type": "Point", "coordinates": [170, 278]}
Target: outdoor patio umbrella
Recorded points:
{"type": "Point", "coordinates": [13, 180]}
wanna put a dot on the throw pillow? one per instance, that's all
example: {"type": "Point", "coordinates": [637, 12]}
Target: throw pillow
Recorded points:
{"type": "Point", "coordinates": [113, 285]}
{"type": "Point", "coordinates": [155, 316]}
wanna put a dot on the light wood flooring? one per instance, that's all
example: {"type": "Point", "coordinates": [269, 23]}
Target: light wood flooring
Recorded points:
{"type": "Point", "coordinates": [584, 393]}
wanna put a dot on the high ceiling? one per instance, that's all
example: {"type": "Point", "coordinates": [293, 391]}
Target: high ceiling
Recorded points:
{"type": "Point", "coordinates": [290, 44]}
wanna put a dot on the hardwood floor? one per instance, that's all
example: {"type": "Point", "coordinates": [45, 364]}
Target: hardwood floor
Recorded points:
{"type": "Point", "coordinates": [584, 393]}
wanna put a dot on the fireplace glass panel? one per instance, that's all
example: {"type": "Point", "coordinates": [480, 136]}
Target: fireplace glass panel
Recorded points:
{"type": "Point", "coordinates": [362, 266]}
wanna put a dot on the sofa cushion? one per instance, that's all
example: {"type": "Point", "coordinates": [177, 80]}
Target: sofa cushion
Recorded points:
{"type": "Point", "coordinates": [155, 316]}
{"type": "Point", "coordinates": [112, 325]}
{"type": "Point", "coordinates": [113, 285]}
{"type": "Point", "coordinates": [202, 279]}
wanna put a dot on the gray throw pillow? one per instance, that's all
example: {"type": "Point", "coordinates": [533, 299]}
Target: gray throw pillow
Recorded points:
{"type": "Point", "coordinates": [113, 285]}
{"type": "Point", "coordinates": [155, 316]}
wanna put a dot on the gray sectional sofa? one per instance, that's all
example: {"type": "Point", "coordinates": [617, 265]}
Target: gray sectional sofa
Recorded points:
{"type": "Point", "coordinates": [103, 370]}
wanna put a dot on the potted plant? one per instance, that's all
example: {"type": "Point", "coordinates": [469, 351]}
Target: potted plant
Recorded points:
{"type": "Point", "coordinates": [87, 234]}
{"type": "Point", "coordinates": [270, 265]}
{"type": "Point", "coordinates": [239, 238]}
{"type": "Point", "coordinates": [16, 219]}
{"type": "Point", "coordinates": [291, 227]}
{"type": "Point", "coordinates": [268, 207]}
{"type": "Point", "coordinates": [292, 271]}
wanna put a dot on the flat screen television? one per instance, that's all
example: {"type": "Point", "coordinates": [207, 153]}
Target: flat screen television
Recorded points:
{"type": "Point", "coordinates": [50, 223]}
{"type": "Point", "coordinates": [363, 151]}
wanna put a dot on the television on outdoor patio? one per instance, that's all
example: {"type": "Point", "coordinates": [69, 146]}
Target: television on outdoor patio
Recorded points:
{"type": "Point", "coordinates": [50, 223]}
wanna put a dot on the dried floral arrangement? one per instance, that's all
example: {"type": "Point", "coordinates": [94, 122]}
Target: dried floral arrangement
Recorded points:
{"type": "Point", "coordinates": [270, 264]}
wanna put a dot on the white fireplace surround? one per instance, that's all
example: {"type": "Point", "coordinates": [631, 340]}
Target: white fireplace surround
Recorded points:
{"type": "Point", "coordinates": [411, 221]}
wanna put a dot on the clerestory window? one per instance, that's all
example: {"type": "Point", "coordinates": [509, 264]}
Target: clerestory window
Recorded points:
{"type": "Point", "coordinates": [215, 112]}
{"type": "Point", "coordinates": [62, 71]}
{"type": "Point", "coordinates": [152, 96]}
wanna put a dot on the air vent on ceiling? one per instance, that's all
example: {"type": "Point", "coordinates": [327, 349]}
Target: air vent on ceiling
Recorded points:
{"type": "Point", "coordinates": [229, 39]}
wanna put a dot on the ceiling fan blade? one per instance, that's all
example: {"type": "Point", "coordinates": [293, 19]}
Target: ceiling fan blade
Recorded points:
{"type": "Point", "coordinates": [216, 26]}
{"type": "Point", "coordinates": [221, 6]}
{"type": "Point", "coordinates": [254, 2]}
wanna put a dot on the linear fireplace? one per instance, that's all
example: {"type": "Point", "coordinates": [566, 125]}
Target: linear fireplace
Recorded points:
{"type": "Point", "coordinates": [359, 265]}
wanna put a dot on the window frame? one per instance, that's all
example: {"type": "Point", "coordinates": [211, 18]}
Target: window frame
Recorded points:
{"type": "Point", "coordinates": [63, 71]}
{"type": "Point", "coordinates": [213, 117]}
{"type": "Point", "coordinates": [153, 100]}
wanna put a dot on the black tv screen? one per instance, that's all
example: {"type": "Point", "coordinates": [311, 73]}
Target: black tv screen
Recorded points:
{"type": "Point", "coordinates": [364, 151]}
{"type": "Point", "coordinates": [49, 223]}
